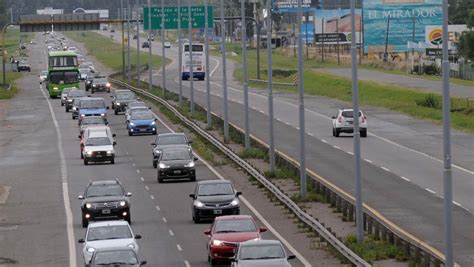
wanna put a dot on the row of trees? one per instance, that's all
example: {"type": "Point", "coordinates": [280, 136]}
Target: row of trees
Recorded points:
{"type": "Point", "coordinates": [466, 42]}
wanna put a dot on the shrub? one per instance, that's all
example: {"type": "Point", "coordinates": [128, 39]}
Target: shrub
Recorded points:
{"type": "Point", "coordinates": [429, 101]}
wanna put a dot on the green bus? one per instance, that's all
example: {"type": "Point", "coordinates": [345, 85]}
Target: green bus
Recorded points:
{"type": "Point", "coordinates": [63, 72]}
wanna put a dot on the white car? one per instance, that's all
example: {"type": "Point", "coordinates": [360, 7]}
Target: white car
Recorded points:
{"type": "Point", "coordinates": [107, 234]}
{"type": "Point", "coordinates": [167, 45]}
{"type": "Point", "coordinates": [261, 253]}
{"type": "Point", "coordinates": [344, 123]}
{"type": "Point", "coordinates": [43, 76]}
{"type": "Point", "coordinates": [98, 147]}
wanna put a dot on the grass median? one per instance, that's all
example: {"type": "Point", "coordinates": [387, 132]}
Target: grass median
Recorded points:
{"type": "Point", "coordinates": [108, 52]}
{"type": "Point", "coordinates": [371, 93]}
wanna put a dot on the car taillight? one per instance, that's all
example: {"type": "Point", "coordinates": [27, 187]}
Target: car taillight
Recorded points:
{"type": "Point", "coordinates": [339, 119]}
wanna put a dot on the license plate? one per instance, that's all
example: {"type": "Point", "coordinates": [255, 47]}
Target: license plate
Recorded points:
{"type": "Point", "coordinates": [98, 156]}
{"type": "Point", "coordinates": [107, 211]}
{"type": "Point", "coordinates": [217, 211]}
{"type": "Point", "coordinates": [177, 172]}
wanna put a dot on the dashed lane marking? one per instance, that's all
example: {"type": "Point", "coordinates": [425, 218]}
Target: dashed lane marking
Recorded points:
{"type": "Point", "coordinates": [179, 247]}
{"type": "Point", "coordinates": [146, 187]}
{"type": "Point", "coordinates": [368, 160]}
{"type": "Point", "coordinates": [431, 191]}
{"type": "Point", "coordinates": [404, 178]}
{"type": "Point", "coordinates": [164, 220]}
{"type": "Point", "coordinates": [141, 178]}
{"type": "Point", "coordinates": [157, 208]}
{"type": "Point", "coordinates": [171, 232]}
{"type": "Point", "coordinates": [385, 169]}
{"type": "Point", "coordinates": [152, 196]}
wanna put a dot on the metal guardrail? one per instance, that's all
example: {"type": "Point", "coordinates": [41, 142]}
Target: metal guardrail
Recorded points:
{"type": "Point", "coordinates": [301, 214]}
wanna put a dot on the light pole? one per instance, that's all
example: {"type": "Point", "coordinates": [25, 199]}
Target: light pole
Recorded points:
{"type": "Point", "coordinates": [150, 77]}
{"type": "Point", "coordinates": [224, 73]}
{"type": "Point", "coordinates": [128, 42]}
{"type": "Point", "coordinates": [191, 65]}
{"type": "Point", "coordinates": [303, 184]}
{"type": "Point", "coordinates": [163, 52]}
{"type": "Point", "coordinates": [138, 45]}
{"type": "Point", "coordinates": [270, 89]}
{"type": "Point", "coordinates": [244, 68]}
{"type": "Point", "coordinates": [123, 39]}
{"type": "Point", "coordinates": [180, 56]}
{"type": "Point", "coordinates": [206, 47]}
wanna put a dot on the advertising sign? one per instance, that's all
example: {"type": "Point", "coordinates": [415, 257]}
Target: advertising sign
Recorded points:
{"type": "Point", "coordinates": [433, 35]}
{"type": "Point", "coordinates": [402, 19]}
{"type": "Point", "coordinates": [283, 6]}
{"type": "Point", "coordinates": [307, 29]}
{"type": "Point", "coordinates": [335, 25]}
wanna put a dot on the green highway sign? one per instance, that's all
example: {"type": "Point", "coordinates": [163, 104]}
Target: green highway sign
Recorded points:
{"type": "Point", "coordinates": [171, 17]}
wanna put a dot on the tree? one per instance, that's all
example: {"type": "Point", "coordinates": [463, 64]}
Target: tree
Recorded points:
{"type": "Point", "coordinates": [466, 42]}
{"type": "Point", "coordinates": [3, 14]}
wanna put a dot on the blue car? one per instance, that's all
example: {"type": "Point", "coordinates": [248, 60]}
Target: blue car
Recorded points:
{"type": "Point", "coordinates": [141, 122]}
{"type": "Point", "coordinates": [93, 106]}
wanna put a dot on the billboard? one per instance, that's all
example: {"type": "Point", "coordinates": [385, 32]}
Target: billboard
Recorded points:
{"type": "Point", "coordinates": [399, 20]}
{"type": "Point", "coordinates": [283, 6]}
{"type": "Point", "coordinates": [334, 26]}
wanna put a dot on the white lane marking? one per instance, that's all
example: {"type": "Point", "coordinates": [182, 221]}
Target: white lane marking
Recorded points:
{"type": "Point", "coordinates": [133, 164]}
{"type": "Point", "coordinates": [164, 220]}
{"type": "Point", "coordinates": [67, 206]}
{"type": "Point", "coordinates": [457, 204]}
{"type": "Point", "coordinates": [298, 128]}
{"type": "Point", "coordinates": [350, 153]}
{"type": "Point", "coordinates": [179, 247]}
{"type": "Point", "coordinates": [147, 188]}
{"type": "Point", "coordinates": [171, 232]}
{"type": "Point", "coordinates": [287, 123]}
{"type": "Point", "coordinates": [152, 196]}
{"type": "Point", "coordinates": [187, 264]}
{"type": "Point", "coordinates": [310, 134]}
{"type": "Point", "coordinates": [216, 67]}
{"type": "Point", "coordinates": [368, 160]}
{"type": "Point", "coordinates": [278, 119]}
{"type": "Point", "coordinates": [404, 178]}
{"type": "Point", "coordinates": [261, 111]}
{"type": "Point", "coordinates": [324, 141]}
{"type": "Point", "coordinates": [431, 191]}
{"type": "Point", "coordinates": [252, 209]}
{"type": "Point", "coordinates": [141, 178]}
{"type": "Point", "coordinates": [336, 147]}
{"type": "Point", "coordinates": [157, 208]}
{"type": "Point", "coordinates": [138, 171]}
{"type": "Point", "coordinates": [385, 169]}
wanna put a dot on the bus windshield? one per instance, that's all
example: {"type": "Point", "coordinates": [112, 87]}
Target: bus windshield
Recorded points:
{"type": "Point", "coordinates": [64, 77]}
{"type": "Point", "coordinates": [196, 48]}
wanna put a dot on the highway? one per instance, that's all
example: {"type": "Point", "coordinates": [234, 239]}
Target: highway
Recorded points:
{"type": "Point", "coordinates": [40, 161]}
{"type": "Point", "coordinates": [402, 168]}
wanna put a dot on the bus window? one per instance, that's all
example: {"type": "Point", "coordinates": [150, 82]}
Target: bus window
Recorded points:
{"type": "Point", "coordinates": [196, 48]}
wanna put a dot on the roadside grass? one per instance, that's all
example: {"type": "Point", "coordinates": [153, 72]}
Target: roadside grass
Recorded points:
{"type": "Point", "coordinates": [12, 39]}
{"type": "Point", "coordinates": [109, 52]}
{"type": "Point", "coordinates": [10, 77]}
{"type": "Point", "coordinates": [371, 93]}
{"type": "Point", "coordinates": [372, 250]}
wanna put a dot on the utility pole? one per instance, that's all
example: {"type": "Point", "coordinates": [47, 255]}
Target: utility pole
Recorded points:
{"type": "Point", "coordinates": [337, 40]}
{"type": "Point", "coordinates": [355, 108]}
{"type": "Point", "coordinates": [385, 55]}
{"type": "Point", "coordinates": [128, 42]}
{"type": "Point", "coordinates": [150, 77]}
{"type": "Point", "coordinates": [180, 56]}
{"type": "Point", "coordinates": [163, 52]}
{"type": "Point", "coordinates": [123, 39]}
{"type": "Point", "coordinates": [138, 45]}
{"type": "Point", "coordinates": [447, 175]}
{"type": "Point", "coordinates": [303, 184]}
{"type": "Point", "coordinates": [413, 49]}
{"type": "Point", "coordinates": [224, 73]}
{"type": "Point", "coordinates": [244, 67]}
{"type": "Point", "coordinates": [208, 81]}
{"type": "Point", "coordinates": [11, 15]}
{"type": "Point", "coordinates": [270, 89]}
{"type": "Point", "coordinates": [322, 40]}
{"type": "Point", "coordinates": [191, 65]}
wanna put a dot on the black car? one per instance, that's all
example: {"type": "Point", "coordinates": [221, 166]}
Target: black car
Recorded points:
{"type": "Point", "coordinates": [76, 102]}
{"type": "Point", "coordinates": [213, 198]}
{"type": "Point", "coordinates": [116, 257]}
{"type": "Point", "coordinates": [23, 65]}
{"type": "Point", "coordinates": [176, 163]}
{"type": "Point", "coordinates": [68, 103]}
{"type": "Point", "coordinates": [120, 101]}
{"type": "Point", "coordinates": [105, 200]}
{"type": "Point", "coordinates": [145, 45]}
{"type": "Point", "coordinates": [168, 140]}
{"type": "Point", "coordinates": [89, 79]}
{"type": "Point", "coordinates": [100, 84]}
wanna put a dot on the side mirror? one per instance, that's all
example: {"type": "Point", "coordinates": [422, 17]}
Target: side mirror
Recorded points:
{"type": "Point", "coordinates": [262, 229]}
{"type": "Point", "coordinates": [113, 135]}
{"type": "Point", "coordinates": [156, 119]}
{"type": "Point", "coordinates": [106, 123]}
{"type": "Point", "coordinates": [107, 107]}
{"type": "Point", "coordinates": [153, 144]}
{"type": "Point", "coordinates": [128, 194]}
{"type": "Point", "coordinates": [81, 240]}
{"type": "Point", "coordinates": [190, 142]}
{"type": "Point", "coordinates": [114, 143]}
{"type": "Point", "coordinates": [138, 237]}
{"type": "Point", "coordinates": [192, 195]}
{"type": "Point", "coordinates": [80, 197]}
{"type": "Point", "coordinates": [149, 107]}
{"type": "Point", "coordinates": [79, 136]}
{"type": "Point", "coordinates": [233, 259]}
{"type": "Point", "coordinates": [290, 257]}
{"type": "Point", "coordinates": [195, 159]}
{"type": "Point", "coordinates": [207, 232]}
{"type": "Point", "coordinates": [143, 263]}
{"type": "Point", "coordinates": [238, 193]}
{"type": "Point", "coordinates": [333, 117]}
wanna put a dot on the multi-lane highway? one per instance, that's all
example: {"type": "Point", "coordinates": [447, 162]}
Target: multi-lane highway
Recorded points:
{"type": "Point", "coordinates": [402, 168]}
{"type": "Point", "coordinates": [41, 165]}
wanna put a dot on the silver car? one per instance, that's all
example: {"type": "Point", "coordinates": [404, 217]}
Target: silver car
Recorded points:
{"type": "Point", "coordinates": [261, 253]}
{"type": "Point", "coordinates": [107, 234]}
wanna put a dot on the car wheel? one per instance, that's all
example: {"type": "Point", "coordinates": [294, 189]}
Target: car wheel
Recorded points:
{"type": "Point", "coordinates": [67, 109]}
{"type": "Point", "coordinates": [113, 106]}
{"type": "Point", "coordinates": [82, 156]}
{"type": "Point", "coordinates": [128, 218]}
{"type": "Point", "coordinates": [108, 91]}
{"type": "Point", "coordinates": [363, 133]}
{"type": "Point", "coordinates": [193, 178]}
{"type": "Point", "coordinates": [92, 90]}
{"type": "Point", "coordinates": [213, 262]}
{"type": "Point", "coordinates": [115, 111]}
{"type": "Point", "coordinates": [73, 117]}
{"type": "Point", "coordinates": [155, 164]}
{"type": "Point", "coordinates": [85, 222]}
{"type": "Point", "coordinates": [160, 180]}
{"type": "Point", "coordinates": [86, 162]}
{"type": "Point", "coordinates": [155, 133]}
{"type": "Point", "coordinates": [337, 132]}
{"type": "Point", "coordinates": [112, 161]}
{"type": "Point", "coordinates": [130, 133]}
{"type": "Point", "coordinates": [333, 132]}
{"type": "Point", "coordinates": [62, 104]}
{"type": "Point", "coordinates": [196, 218]}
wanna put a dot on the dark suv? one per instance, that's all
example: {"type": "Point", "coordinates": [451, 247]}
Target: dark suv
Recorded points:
{"type": "Point", "coordinates": [105, 200]}
{"type": "Point", "coordinates": [71, 95]}
{"type": "Point", "coordinates": [121, 100]}
{"type": "Point", "coordinates": [89, 79]}
{"type": "Point", "coordinates": [167, 140]}
{"type": "Point", "coordinates": [100, 83]}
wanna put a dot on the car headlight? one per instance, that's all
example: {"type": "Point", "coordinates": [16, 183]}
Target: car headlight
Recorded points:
{"type": "Point", "coordinates": [74, 108]}
{"type": "Point", "coordinates": [132, 124]}
{"type": "Point", "coordinates": [88, 205]}
{"type": "Point", "coordinates": [88, 82]}
{"type": "Point", "coordinates": [235, 202]}
{"type": "Point", "coordinates": [108, 85]}
{"type": "Point", "coordinates": [90, 250]}
{"type": "Point", "coordinates": [93, 85]}
{"type": "Point", "coordinates": [88, 153]}
{"type": "Point", "coordinates": [153, 123]}
{"type": "Point", "coordinates": [69, 100]}
{"type": "Point", "coordinates": [102, 114]}
{"type": "Point", "coordinates": [198, 204]}
{"type": "Point", "coordinates": [255, 239]}
{"type": "Point", "coordinates": [189, 165]}
{"type": "Point", "coordinates": [163, 166]}
{"type": "Point", "coordinates": [110, 152]}
{"type": "Point", "coordinates": [123, 203]}
{"type": "Point", "coordinates": [157, 151]}
{"type": "Point", "coordinates": [83, 115]}
{"type": "Point", "coordinates": [55, 88]}
{"type": "Point", "coordinates": [216, 242]}
{"type": "Point", "coordinates": [118, 104]}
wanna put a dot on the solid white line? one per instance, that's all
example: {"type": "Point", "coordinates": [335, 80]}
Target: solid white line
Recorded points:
{"type": "Point", "coordinates": [404, 178]}
{"type": "Point", "coordinates": [385, 169]}
{"type": "Point", "coordinates": [67, 206]}
{"type": "Point", "coordinates": [138, 171]}
{"type": "Point", "coordinates": [368, 160]}
{"type": "Point", "coordinates": [164, 220]}
{"type": "Point", "coordinates": [171, 232]}
{"type": "Point", "coordinates": [179, 247]}
{"type": "Point", "coordinates": [252, 209]}
{"type": "Point", "coordinates": [146, 187]}
{"type": "Point", "coordinates": [152, 196]}
{"type": "Point", "coordinates": [431, 191]}
{"type": "Point", "coordinates": [157, 208]}
{"type": "Point", "coordinates": [141, 178]}
{"type": "Point", "coordinates": [216, 67]}
{"type": "Point", "coordinates": [187, 264]}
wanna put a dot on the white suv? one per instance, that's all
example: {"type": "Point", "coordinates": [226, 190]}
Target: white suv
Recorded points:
{"type": "Point", "coordinates": [344, 123]}
{"type": "Point", "coordinates": [100, 235]}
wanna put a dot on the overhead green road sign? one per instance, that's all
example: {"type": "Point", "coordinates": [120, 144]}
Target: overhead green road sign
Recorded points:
{"type": "Point", "coordinates": [171, 17]}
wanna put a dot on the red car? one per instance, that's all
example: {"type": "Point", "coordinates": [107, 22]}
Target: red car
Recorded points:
{"type": "Point", "coordinates": [225, 234]}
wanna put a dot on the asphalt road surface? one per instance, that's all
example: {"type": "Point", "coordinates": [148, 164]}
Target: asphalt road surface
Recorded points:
{"type": "Point", "coordinates": [402, 170]}
{"type": "Point", "coordinates": [40, 162]}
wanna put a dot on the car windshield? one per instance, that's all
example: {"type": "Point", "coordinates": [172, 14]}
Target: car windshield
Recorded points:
{"type": "Point", "coordinates": [239, 225]}
{"type": "Point", "coordinates": [92, 104]}
{"type": "Point", "coordinates": [44, 73]}
{"type": "Point", "coordinates": [104, 190]}
{"type": "Point", "coordinates": [260, 252]}
{"type": "Point", "coordinates": [136, 104]}
{"type": "Point", "coordinates": [142, 116]}
{"type": "Point", "coordinates": [114, 258]}
{"type": "Point", "coordinates": [76, 93]}
{"type": "Point", "coordinates": [215, 189]}
{"type": "Point", "coordinates": [108, 232]}
{"type": "Point", "coordinates": [98, 141]}
{"type": "Point", "coordinates": [138, 110]}
{"type": "Point", "coordinates": [100, 80]}
{"type": "Point", "coordinates": [92, 120]}
{"type": "Point", "coordinates": [176, 154]}
{"type": "Point", "coordinates": [349, 114]}
{"type": "Point", "coordinates": [126, 95]}
{"type": "Point", "coordinates": [171, 140]}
